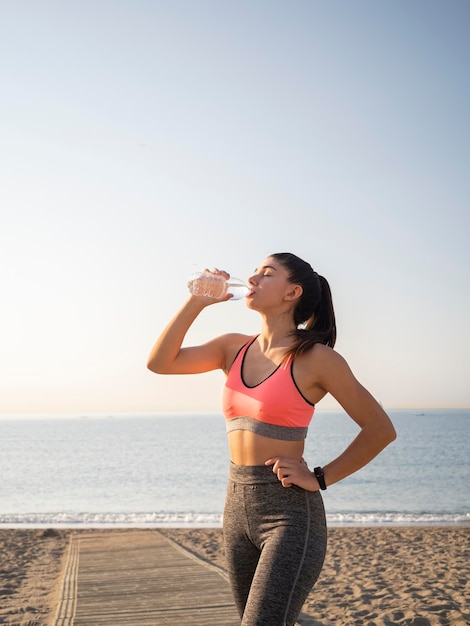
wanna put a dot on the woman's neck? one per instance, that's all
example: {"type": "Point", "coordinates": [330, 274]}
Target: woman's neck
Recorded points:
{"type": "Point", "coordinates": [275, 334]}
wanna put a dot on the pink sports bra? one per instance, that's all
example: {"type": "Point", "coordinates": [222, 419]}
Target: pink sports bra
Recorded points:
{"type": "Point", "coordinates": [274, 408]}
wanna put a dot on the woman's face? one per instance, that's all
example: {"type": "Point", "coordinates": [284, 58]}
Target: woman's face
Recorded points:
{"type": "Point", "coordinates": [269, 285]}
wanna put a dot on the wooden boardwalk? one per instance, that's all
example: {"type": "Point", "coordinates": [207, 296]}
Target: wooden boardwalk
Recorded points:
{"type": "Point", "coordinates": [140, 578]}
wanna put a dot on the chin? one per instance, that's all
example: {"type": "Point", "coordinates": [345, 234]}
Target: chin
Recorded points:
{"type": "Point", "coordinates": [251, 305]}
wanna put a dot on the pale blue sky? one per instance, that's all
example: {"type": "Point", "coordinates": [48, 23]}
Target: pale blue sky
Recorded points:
{"type": "Point", "coordinates": [141, 141]}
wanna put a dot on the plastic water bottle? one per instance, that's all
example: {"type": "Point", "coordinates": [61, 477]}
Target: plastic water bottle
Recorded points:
{"type": "Point", "coordinates": [205, 284]}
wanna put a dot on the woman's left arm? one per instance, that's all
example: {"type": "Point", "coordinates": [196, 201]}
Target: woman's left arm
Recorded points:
{"type": "Point", "coordinates": [377, 430]}
{"type": "Point", "coordinates": [333, 375]}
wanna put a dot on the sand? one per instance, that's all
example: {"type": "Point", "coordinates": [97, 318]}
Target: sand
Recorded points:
{"type": "Point", "coordinates": [31, 565]}
{"type": "Point", "coordinates": [418, 576]}
{"type": "Point", "coordinates": [380, 576]}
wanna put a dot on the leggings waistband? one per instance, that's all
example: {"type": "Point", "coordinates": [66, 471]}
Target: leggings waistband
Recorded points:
{"type": "Point", "coordinates": [252, 474]}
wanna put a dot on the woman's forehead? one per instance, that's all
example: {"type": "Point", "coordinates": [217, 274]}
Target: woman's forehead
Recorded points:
{"type": "Point", "coordinates": [268, 263]}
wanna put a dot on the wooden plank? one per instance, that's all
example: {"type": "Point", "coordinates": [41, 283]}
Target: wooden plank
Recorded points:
{"type": "Point", "coordinates": [66, 607]}
{"type": "Point", "coordinates": [132, 577]}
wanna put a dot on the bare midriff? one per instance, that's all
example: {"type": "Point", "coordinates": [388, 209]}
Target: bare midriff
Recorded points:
{"type": "Point", "coordinates": [247, 448]}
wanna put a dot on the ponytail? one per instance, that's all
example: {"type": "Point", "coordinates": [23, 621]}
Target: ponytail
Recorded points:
{"type": "Point", "coordinates": [314, 315]}
{"type": "Point", "coordinates": [320, 327]}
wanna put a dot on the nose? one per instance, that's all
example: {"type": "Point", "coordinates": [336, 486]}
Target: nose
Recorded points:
{"type": "Point", "coordinates": [252, 280]}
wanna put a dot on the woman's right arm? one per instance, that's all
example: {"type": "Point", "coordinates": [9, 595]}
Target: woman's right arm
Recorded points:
{"type": "Point", "coordinates": [167, 355]}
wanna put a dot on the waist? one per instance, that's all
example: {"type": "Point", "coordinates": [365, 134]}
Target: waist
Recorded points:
{"type": "Point", "coordinates": [252, 474]}
{"type": "Point", "coordinates": [250, 449]}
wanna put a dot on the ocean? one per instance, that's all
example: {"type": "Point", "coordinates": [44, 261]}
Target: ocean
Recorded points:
{"type": "Point", "coordinates": [170, 470]}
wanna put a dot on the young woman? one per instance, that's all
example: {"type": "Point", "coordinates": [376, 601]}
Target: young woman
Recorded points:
{"type": "Point", "coordinates": [274, 522]}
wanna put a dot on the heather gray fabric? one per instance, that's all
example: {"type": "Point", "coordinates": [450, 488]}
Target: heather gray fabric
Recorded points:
{"type": "Point", "coordinates": [287, 433]}
{"type": "Point", "coordinates": [275, 545]}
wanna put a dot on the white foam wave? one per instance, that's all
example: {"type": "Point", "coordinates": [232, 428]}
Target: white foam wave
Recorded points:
{"type": "Point", "coordinates": [91, 520]}
{"type": "Point", "coordinates": [156, 520]}
{"type": "Point", "coordinates": [402, 519]}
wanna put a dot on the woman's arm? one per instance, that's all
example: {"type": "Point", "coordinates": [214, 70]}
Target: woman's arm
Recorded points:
{"type": "Point", "coordinates": [168, 357]}
{"type": "Point", "coordinates": [377, 430]}
{"type": "Point", "coordinates": [333, 375]}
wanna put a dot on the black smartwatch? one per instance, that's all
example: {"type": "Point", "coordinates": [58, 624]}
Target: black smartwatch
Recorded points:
{"type": "Point", "coordinates": [320, 476]}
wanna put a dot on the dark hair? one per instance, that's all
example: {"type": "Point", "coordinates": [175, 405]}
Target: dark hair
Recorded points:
{"type": "Point", "coordinates": [314, 315]}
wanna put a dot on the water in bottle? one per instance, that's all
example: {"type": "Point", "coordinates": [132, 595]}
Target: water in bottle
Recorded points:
{"type": "Point", "coordinates": [214, 286]}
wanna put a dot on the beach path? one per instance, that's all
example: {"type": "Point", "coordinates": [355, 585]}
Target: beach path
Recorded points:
{"type": "Point", "coordinates": [134, 577]}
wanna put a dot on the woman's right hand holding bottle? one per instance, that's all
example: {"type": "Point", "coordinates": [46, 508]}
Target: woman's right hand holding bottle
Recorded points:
{"type": "Point", "coordinates": [210, 285]}
{"type": "Point", "coordinates": [167, 355]}
{"type": "Point", "coordinates": [216, 285]}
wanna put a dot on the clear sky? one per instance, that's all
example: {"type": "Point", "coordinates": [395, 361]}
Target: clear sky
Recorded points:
{"type": "Point", "coordinates": [142, 140]}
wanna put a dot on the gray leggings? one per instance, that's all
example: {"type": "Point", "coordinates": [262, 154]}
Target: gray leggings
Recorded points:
{"type": "Point", "coordinates": [275, 544]}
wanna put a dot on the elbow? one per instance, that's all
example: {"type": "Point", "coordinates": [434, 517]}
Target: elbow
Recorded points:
{"type": "Point", "coordinates": [388, 434]}
{"type": "Point", "coordinates": [390, 438]}
{"type": "Point", "coordinates": [158, 366]}
{"type": "Point", "coordinates": [151, 367]}
{"type": "Point", "coordinates": [381, 435]}
{"type": "Point", "coordinates": [154, 366]}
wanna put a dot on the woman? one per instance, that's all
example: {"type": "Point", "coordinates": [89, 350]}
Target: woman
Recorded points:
{"type": "Point", "coordinates": [274, 521]}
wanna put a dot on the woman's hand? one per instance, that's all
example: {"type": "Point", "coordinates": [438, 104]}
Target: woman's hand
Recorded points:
{"type": "Point", "coordinates": [204, 301]}
{"type": "Point", "coordinates": [292, 472]}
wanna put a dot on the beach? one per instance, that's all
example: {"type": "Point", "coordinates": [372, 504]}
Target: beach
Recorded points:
{"type": "Point", "coordinates": [377, 576]}
{"type": "Point", "coordinates": [31, 568]}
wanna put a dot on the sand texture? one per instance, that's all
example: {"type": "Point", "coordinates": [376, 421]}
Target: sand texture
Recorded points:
{"type": "Point", "coordinates": [379, 576]}
{"type": "Point", "coordinates": [31, 565]}
{"type": "Point", "coordinates": [418, 576]}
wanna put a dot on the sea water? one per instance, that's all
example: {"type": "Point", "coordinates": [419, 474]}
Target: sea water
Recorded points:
{"type": "Point", "coordinates": [157, 470]}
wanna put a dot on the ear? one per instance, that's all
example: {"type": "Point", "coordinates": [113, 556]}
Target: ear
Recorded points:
{"type": "Point", "coordinates": [295, 291]}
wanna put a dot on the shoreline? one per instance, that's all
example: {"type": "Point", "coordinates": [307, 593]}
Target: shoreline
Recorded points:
{"type": "Point", "coordinates": [191, 526]}
{"type": "Point", "coordinates": [384, 575]}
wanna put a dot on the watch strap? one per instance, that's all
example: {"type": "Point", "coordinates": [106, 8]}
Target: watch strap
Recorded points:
{"type": "Point", "coordinates": [320, 476]}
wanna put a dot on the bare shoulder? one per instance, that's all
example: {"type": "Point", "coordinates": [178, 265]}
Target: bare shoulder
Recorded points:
{"type": "Point", "coordinates": [231, 343]}
{"type": "Point", "coordinates": [237, 337]}
{"type": "Point", "coordinates": [232, 340]}
{"type": "Point", "coordinates": [327, 369]}
{"type": "Point", "coordinates": [326, 356]}
{"type": "Point", "coordinates": [330, 373]}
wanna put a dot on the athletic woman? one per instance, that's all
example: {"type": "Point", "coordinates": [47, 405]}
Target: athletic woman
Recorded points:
{"type": "Point", "coordinates": [274, 522]}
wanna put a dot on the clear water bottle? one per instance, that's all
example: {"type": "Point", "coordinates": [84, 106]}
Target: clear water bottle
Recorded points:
{"type": "Point", "coordinates": [206, 284]}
